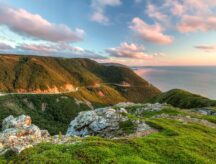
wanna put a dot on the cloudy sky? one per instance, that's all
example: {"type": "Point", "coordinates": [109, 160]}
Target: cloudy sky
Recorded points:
{"type": "Point", "coordinates": [131, 32]}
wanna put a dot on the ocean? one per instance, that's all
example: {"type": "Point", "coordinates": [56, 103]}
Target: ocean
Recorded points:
{"type": "Point", "coordinates": [199, 80]}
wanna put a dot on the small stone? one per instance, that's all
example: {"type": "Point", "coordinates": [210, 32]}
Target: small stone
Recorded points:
{"type": "Point", "coordinates": [45, 133]}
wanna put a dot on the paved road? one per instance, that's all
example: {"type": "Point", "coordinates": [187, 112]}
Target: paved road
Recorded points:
{"type": "Point", "coordinates": [74, 90]}
{"type": "Point", "coordinates": [32, 93]}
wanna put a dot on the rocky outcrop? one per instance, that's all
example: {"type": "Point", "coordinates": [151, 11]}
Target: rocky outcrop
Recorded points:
{"type": "Point", "coordinates": [206, 111]}
{"type": "Point", "coordinates": [141, 109]}
{"type": "Point", "coordinates": [105, 122]}
{"type": "Point", "coordinates": [18, 134]}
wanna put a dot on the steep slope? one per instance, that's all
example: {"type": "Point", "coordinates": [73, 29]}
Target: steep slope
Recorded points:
{"type": "Point", "coordinates": [48, 74]}
{"type": "Point", "coordinates": [183, 99]}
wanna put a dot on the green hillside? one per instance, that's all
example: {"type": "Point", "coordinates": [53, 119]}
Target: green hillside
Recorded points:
{"type": "Point", "coordinates": [48, 74]}
{"type": "Point", "coordinates": [183, 99]}
{"type": "Point", "coordinates": [175, 142]}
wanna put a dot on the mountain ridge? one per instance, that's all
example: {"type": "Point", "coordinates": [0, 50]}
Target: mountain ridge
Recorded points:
{"type": "Point", "coordinates": [53, 74]}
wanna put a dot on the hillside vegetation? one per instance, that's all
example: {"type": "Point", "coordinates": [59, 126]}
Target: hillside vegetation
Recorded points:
{"type": "Point", "coordinates": [176, 141]}
{"type": "Point", "coordinates": [183, 99]}
{"type": "Point", "coordinates": [179, 135]}
{"type": "Point", "coordinates": [49, 74]}
{"type": "Point", "coordinates": [51, 112]}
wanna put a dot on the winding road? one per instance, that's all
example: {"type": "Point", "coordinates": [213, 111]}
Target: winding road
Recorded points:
{"type": "Point", "coordinates": [71, 91]}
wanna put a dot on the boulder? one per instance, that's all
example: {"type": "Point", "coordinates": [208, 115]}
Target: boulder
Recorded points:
{"type": "Point", "coordinates": [18, 122]}
{"type": "Point", "coordinates": [205, 111]}
{"type": "Point", "coordinates": [18, 134]}
{"type": "Point", "coordinates": [104, 122]}
{"type": "Point", "coordinates": [141, 109]}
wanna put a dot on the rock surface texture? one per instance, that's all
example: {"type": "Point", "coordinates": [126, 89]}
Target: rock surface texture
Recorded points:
{"type": "Point", "coordinates": [141, 109]}
{"type": "Point", "coordinates": [206, 111]}
{"type": "Point", "coordinates": [105, 122]}
{"type": "Point", "coordinates": [18, 134]}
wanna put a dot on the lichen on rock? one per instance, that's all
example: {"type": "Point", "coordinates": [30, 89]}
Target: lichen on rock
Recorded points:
{"type": "Point", "coordinates": [18, 133]}
{"type": "Point", "coordinates": [105, 122]}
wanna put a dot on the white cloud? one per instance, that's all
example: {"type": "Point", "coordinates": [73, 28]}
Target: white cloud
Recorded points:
{"type": "Point", "coordinates": [152, 33]}
{"type": "Point", "coordinates": [33, 25]}
{"type": "Point", "coordinates": [99, 7]}
{"type": "Point", "coordinates": [131, 51]}
{"type": "Point", "coordinates": [100, 18]}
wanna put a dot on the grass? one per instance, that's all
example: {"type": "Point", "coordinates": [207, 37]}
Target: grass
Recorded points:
{"type": "Point", "coordinates": [183, 99]}
{"type": "Point", "coordinates": [176, 143]}
{"type": "Point", "coordinates": [209, 118]}
{"type": "Point", "coordinates": [127, 127]}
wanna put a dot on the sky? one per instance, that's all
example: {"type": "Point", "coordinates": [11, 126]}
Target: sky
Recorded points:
{"type": "Point", "coordinates": [130, 32]}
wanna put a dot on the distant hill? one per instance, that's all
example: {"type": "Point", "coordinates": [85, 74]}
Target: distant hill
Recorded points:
{"type": "Point", "coordinates": [183, 99]}
{"type": "Point", "coordinates": [114, 64]}
{"type": "Point", "coordinates": [96, 82]}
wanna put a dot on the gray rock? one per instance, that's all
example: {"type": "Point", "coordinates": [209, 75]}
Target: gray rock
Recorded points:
{"type": "Point", "coordinates": [18, 134]}
{"type": "Point", "coordinates": [102, 121]}
{"type": "Point", "coordinates": [141, 126]}
{"type": "Point", "coordinates": [18, 122]}
{"type": "Point", "coordinates": [205, 111]}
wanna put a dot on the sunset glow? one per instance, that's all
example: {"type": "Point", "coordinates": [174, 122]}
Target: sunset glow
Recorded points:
{"type": "Point", "coordinates": [130, 32]}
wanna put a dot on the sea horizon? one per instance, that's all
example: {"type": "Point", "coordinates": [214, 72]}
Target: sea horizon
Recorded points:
{"type": "Point", "coordinates": [199, 80]}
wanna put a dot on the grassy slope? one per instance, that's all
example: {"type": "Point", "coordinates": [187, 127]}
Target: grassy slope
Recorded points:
{"type": "Point", "coordinates": [141, 89]}
{"type": "Point", "coordinates": [175, 143]}
{"type": "Point", "coordinates": [32, 72]}
{"type": "Point", "coordinates": [183, 99]}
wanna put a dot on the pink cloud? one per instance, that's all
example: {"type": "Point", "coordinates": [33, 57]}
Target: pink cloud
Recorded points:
{"type": "Point", "coordinates": [194, 15]}
{"type": "Point", "coordinates": [177, 8]}
{"type": "Point", "coordinates": [154, 12]}
{"type": "Point", "coordinates": [151, 33]}
{"type": "Point", "coordinates": [47, 48]}
{"type": "Point", "coordinates": [58, 49]}
{"type": "Point", "coordinates": [33, 25]}
{"type": "Point", "coordinates": [194, 23]}
{"type": "Point", "coordinates": [188, 15]}
{"type": "Point", "coordinates": [39, 47]}
{"type": "Point", "coordinates": [131, 51]}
